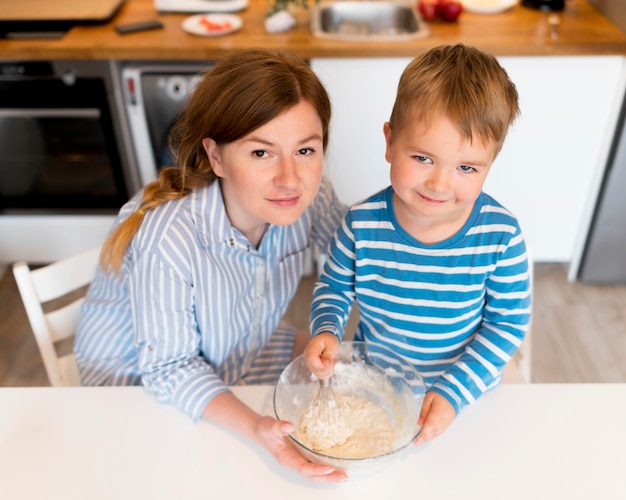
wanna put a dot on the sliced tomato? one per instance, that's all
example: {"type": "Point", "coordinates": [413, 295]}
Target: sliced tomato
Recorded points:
{"type": "Point", "coordinates": [213, 26]}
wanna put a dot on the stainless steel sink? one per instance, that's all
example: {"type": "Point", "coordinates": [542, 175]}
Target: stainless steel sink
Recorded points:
{"type": "Point", "coordinates": [366, 21]}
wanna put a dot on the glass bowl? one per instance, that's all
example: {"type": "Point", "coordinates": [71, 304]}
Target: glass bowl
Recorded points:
{"type": "Point", "coordinates": [363, 370]}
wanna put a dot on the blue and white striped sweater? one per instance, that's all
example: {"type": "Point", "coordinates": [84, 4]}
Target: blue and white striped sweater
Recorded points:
{"type": "Point", "coordinates": [458, 309]}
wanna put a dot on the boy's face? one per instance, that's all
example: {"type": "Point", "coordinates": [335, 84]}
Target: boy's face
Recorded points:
{"type": "Point", "coordinates": [436, 175]}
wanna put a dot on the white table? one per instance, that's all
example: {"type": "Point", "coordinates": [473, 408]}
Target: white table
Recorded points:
{"type": "Point", "coordinates": [553, 442]}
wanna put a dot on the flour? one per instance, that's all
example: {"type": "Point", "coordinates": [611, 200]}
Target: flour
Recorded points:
{"type": "Point", "coordinates": [324, 424]}
{"type": "Point", "coordinates": [362, 429]}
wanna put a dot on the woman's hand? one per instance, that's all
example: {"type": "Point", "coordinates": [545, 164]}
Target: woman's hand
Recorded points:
{"type": "Point", "coordinates": [273, 435]}
{"type": "Point", "coordinates": [228, 410]}
{"type": "Point", "coordinates": [436, 415]}
{"type": "Point", "coordinates": [320, 354]}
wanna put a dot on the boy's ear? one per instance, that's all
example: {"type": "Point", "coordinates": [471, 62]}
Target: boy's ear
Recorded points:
{"type": "Point", "coordinates": [213, 153]}
{"type": "Point", "coordinates": [387, 132]}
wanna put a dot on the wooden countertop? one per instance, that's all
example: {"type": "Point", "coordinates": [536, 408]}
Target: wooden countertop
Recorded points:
{"type": "Point", "coordinates": [516, 32]}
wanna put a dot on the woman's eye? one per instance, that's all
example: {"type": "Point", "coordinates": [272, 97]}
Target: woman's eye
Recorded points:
{"type": "Point", "coordinates": [259, 153]}
{"type": "Point", "coordinates": [306, 151]}
{"type": "Point", "coordinates": [466, 168]}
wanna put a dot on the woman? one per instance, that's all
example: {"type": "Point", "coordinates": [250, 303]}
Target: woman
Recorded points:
{"type": "Point", "coordinates": [202, 264]}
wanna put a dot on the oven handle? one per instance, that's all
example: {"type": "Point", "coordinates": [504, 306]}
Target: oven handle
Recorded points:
{"type": "Point", "coordinates": [50, 113]}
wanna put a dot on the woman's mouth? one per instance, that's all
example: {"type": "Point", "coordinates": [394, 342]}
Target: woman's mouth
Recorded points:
{"type": "Point", "coordinates": [285, 202]}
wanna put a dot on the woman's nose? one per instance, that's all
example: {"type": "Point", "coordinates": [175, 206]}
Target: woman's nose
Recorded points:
{"type": "Point", "coordinates": [286, 175]}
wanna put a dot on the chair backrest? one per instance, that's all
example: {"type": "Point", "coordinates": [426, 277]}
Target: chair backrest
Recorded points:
{"type": "Point", "coordinates": [519, 369]}
{"type": "Point", "coordinates": [45, 284]}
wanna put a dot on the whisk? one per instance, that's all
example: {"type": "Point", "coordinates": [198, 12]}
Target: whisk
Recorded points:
{"type": "Point", "coordinates": [326, 406]}
{"type": "Point", "coordinates": [324, 424]}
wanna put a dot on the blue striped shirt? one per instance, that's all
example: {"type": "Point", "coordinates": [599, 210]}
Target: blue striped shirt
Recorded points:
{"type": "Point", "coordinates": [195, 302]}
{"type": "Point", "coordinates": [458, 309]}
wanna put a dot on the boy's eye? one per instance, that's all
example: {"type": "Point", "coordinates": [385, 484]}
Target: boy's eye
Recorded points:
{"type": "Point", "coordinates": [423, 159]}
{"type": "Point", "coordinates": [466, 168]}
{"type": "Point", "coordinates": [259, 153]}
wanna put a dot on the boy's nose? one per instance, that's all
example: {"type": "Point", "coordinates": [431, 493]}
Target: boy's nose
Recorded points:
{"type": "Point", "coordinates": [438, 180]}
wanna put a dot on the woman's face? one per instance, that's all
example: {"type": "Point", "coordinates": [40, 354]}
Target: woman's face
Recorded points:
{"type": "Point", "coordinates": [272, 174]}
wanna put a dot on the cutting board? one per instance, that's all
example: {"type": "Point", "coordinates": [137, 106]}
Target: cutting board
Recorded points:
{"type": "Point", "coordinates": [58, 10]}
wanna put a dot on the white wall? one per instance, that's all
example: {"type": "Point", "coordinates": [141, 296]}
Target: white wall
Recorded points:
{"type": "Point", "coordinates": [548, 170]}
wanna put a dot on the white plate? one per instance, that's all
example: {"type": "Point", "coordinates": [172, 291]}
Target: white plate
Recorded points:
{"type": "Point", "coordinates": [212, 24]}
{"type": "Point", "coordinates": [487, 6]}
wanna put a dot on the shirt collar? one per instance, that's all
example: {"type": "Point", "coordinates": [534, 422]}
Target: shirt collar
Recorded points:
{"type": "Point", "coordinates": [210, 218]}
{"type": "Point", "coordinates": [209, 214]}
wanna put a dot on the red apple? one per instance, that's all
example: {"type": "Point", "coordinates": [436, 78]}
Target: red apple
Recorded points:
{"type": "Point", "coordinates": [449, 10]}
{"type": "Point", "coordinates": [428, 9]}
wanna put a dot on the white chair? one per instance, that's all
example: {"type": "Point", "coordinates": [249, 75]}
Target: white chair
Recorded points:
{"type": "Point", "coordinates": [519, 369]}
{"type": "Point", "coordinates": [44, 284]}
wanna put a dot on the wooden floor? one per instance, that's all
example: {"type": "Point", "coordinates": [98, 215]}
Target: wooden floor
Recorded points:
{"type": "Point", "coordinates": [578, 331]}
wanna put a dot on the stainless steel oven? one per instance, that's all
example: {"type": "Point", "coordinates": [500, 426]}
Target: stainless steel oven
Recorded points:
{"type": "Point", "coordinates": [154, 96]}
{"type": "Point", "coordinates": [64, 161]}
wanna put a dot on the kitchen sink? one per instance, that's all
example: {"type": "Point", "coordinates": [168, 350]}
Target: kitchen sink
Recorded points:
{"type": "Point", "coordinates": [366, 21]}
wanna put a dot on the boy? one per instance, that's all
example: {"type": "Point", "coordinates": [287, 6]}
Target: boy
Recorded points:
{"type": "Point", "coordinates": [438, 268]}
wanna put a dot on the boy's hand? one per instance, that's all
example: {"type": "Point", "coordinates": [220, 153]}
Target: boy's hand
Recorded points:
{"type": "Point", "coordinates": [436, 415]}
{"type": "Point", "coordinates": [320, 354]}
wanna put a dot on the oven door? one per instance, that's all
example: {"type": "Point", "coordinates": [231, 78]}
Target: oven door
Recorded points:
{"type": "Point", "coordinates": [58, 151]}
{"type": "Point", "coordinates": [65, 166]}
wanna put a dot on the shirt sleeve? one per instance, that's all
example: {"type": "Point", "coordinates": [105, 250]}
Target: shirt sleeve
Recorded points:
{"type": "Point", "coordinates": [167, 338]}
{"type": "Point", "coordinates": [506, 316]}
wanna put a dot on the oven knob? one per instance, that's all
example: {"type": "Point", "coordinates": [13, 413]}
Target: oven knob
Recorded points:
{"type": "Point", "coordinates": [69, 78]}
{"type": "Point", "coordinates": [176, 88]}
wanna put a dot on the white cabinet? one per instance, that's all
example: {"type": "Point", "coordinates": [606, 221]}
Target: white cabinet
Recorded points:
{"type": "Point", "coordinates": [548, 170]}
{"type": "Point", "coordinates": [41, 239]}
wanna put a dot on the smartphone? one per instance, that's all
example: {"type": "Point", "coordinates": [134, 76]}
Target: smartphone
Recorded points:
{"type": "Point", "coordinates": [124, 29]}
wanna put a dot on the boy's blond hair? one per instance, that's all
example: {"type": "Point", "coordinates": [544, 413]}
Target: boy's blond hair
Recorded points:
{"type": "Point", "coordinates": [462, 83]}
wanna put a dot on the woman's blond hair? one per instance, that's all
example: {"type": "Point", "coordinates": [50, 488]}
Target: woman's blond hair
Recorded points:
{"type": "Point", "coordinates": [462, 83]}
{"type": "Point", "coordinates": [238, 95]}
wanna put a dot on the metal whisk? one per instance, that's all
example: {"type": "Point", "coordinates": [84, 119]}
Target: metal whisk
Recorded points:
{"type": "Point", "coordinates": [326, 405]}
{"type": "Point", "coordinates": [326, 424]}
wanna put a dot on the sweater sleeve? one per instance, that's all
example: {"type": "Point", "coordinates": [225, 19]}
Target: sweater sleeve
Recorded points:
{"type": "Point", "coordinates": [333, 295]}
{"type": "Point", "coordinates": [506, 316]}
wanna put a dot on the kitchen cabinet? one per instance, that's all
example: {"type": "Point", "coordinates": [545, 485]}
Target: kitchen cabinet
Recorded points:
{"type": "Point", "coordinates": [551, 162]}
{"type": "Point", "coordinates": [46, 238]}
{"type": "Point", "coordinates": [548, 169]}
